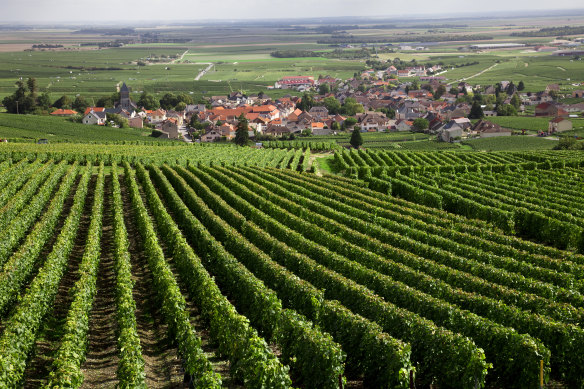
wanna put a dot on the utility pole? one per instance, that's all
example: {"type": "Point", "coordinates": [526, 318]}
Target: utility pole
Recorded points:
{"type": "Point", "coordinates": [17, 108]}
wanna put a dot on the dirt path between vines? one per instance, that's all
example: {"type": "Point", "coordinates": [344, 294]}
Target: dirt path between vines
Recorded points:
{"type": "Point", "coordinates": [163, 367]}
{"type": "Point", "coordinates": [99, 368]}
{"type": "Point", "coordinates": [48, 341]}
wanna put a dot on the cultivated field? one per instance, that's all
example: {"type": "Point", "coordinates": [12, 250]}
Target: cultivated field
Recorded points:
{"type": "Point", "coordinates": [265, 277]}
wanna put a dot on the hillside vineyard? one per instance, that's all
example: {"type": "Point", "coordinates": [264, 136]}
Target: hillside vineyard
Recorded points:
{"type": "Point", "coordinates": [242, 268]}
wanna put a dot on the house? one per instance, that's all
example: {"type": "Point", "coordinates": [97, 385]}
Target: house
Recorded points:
{"type": "Point", "coordinates": [319, 113]}
{"type": "Point", "coordinates": [64, 112]}
{"type": "Point", "coordinates": [318, 128]}
{"type": "Point", "coordinates": [403, 125]}
{"type": "Point", "coordinates": [211, 136]}
{"type": "Point", "coordinates": [227, 130]}
{"type": "Point", "coordinates": [94, 109]}
{"type": "Point", "coordinates": [486, 129]}
{"type": "Point", "coordinates": [136, 122]}
{"type": "Point", "coordinates": [275, 130]}
{"type": "Point", "coordinates": [92, 117]}
{"type": "Point", "coordinates": [450, 134]}
{"type": "Point", "coordinates": [578, 94]}
{"type": "Point", "coordinates": [450, 131]}
{"type": "Point", "coordinates": [295, 82]}
{"type": "Point", "coordinates": [156, 116]}
{"type": "Point", "coordinates": [549, 109]}
{"type": "Point", "coordinates": [559, 125]}
{"type": "Point", "coordinates": [552, 87]}
{"type": "Point", "coordinates": [372, 121]}
{"type": "Point", "coordinates": [169, 129]}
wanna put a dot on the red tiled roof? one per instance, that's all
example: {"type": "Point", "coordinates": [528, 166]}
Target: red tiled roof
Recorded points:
{"type": "Point", "coordinates": [64, 112]}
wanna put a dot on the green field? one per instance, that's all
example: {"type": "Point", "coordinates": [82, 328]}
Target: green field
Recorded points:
{"type": "Point", "coordinates": [511, 143]}
{"type": "Point", "coordinates": [529, 123]}
{"type": "Point", "coordinates": [55, 129]}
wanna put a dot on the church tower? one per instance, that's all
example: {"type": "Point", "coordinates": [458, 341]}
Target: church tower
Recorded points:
{"type": "Point", "coordinates": [125, 101]}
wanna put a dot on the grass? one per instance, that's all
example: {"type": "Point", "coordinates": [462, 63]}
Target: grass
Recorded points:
{"type": "Point", "coordinates": [324, 164]}
{"type": "Point", "coordinates": [529, 122]}
{"type": "Point", "coordinates": [511, 143]}
{"type": "Point", "coordinates": [57, 129]}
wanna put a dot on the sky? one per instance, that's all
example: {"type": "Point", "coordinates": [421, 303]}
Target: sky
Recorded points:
{"type": "Point", "coordinates": [47, 11]}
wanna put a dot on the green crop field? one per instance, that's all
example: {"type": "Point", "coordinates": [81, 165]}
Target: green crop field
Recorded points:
{"type": "Point", "coordinates": [55, 129]}
{"type": "Point", "coordinates": [511, 143]}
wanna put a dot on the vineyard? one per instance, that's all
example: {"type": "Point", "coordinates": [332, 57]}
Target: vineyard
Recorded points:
{"type": "Point", "coordinates": [208, 267]}
{"type": "Point", "coordinates": [295, 158]}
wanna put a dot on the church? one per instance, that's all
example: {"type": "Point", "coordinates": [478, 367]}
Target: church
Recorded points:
{"type": "Point", "coordinates": [125, 102]}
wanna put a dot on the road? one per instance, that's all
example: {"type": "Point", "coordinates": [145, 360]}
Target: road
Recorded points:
{"type": "Point", "coordinates": [474, 75]}
{"type": "Point", "coordinates": [185, 134]}
{"type": "Point", "coordinates": [202, 72]}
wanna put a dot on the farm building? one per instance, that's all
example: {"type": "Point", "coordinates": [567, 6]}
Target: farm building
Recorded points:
{"type": "Point", "coordinates": [559, 125]}
{"type": "Point", "coordinates": [486, 129]}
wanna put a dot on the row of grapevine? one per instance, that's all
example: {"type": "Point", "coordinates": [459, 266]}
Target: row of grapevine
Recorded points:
{"type": "Point", "coordinates": [22, 262]}
{"type": "Point", "coordinates": [19, 199]}
{"type": "Point", "coordinates": [465, 363]}
{"type": "Point", "coordinates": [543, 328]}
{"type": "Point", "coordinates": [496, 341]}
{"type": "Point", "coordinates": [355, 191]}
{"type": "Point", "coordinates": [560, 311]}
{"type": "Point", "coordinates": [173, 304]}
{"type": "Point", "coordinates": [130, 372]}
{"type": "Point", "coordinates": [21, 328]}
{"type": "Point", "coordinates": [391, 357]}
{"type": "Point", "coordinates": [66, 367]}
{"type": "Point", "coordinates": [319, 361]}
{"type": "Point", "coordinates": [250, 356]}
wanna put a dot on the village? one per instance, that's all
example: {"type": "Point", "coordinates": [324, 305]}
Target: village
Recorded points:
{"type": "Point", "coordinates": [375, 101]}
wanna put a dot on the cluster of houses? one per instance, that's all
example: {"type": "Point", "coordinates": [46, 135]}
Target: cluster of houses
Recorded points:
{"type": "Point", "coordinates": [447, 117]}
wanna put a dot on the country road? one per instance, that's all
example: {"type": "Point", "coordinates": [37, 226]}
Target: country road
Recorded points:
{"type": "Point", "coordinates": [202, 72]}
{"type": "Point", "coordinates": [474, 75]}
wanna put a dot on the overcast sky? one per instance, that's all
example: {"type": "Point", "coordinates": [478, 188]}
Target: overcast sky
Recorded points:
{"type": "Point", "coordinates": [144, 10]}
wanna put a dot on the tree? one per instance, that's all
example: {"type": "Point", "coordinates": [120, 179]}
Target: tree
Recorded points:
{"type": "Point", "coordinates": [335, 126]}
{"type": "Point", "coordinates": [147, 101]}
{"type": "Point", "coordinates": [439, 92]}
{"type": "Point", "coordinates": [350, 122]}
{"type": "Point", "coordinates": [80, 104]}
{"type": "Point", "coordinates": [306, 102]}
{"type": "Point", "coordinates": [118, 120]}
{"type": "Point", "coordinates": [181, 106]}
{"type": "Point", "coordinates": [420, 124]}
{"type": "Point", "coordinates": [63, 102]}
{"type": "Point", "coordinates": [351, 107]}
{"type": "Point", "coordinates": [184, 98]}
{"type": "Point", "coordinates": [476, 112]}
{"type": "Point", "coordinates": [506, 110]}
{"type": "Point", "coordinates": [415, 85]}
{"type": "Point", "coordinates": [453, 91]}
{"type": "Point", "coordinates": [105, 101]}
{"type": "Point", "coordinates": [356, 139]}
{"type": "Point", "coordinates": [168, 101]}
{"type": "Point", "coordinates": [32, 86]}
{"type": "Point", "coordinates": [44, 101]}
{"type": "Point", "coordinates": [323, 89]}
{"type": "Point", "coordinates": [516, 101]}
{"type": "Point", "coordinates": [520, 86]}
{"type": "Point", "coordinates": [241, 133]}
{"type": "Point", "coordinates": [332, 104]}
{"type": "Point", "coordinates": [20, 101]}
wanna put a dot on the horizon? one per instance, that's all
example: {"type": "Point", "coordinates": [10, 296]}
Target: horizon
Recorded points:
{"type": "Point", "coordinates": [39, 14]}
